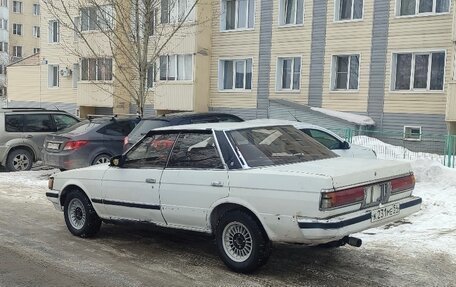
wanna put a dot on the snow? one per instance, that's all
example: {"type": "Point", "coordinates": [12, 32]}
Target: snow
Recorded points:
{"type": "Point", "coordinates": [431, 230]}
{"type": "Point", "coordinates": [349, 117]}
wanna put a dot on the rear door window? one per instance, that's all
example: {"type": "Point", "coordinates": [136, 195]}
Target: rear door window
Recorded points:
{"type": "Point", "coordinates": [64, 121]}
{"type": "Point", "coordinates": [14, 123]}
{"type": "Point", "coordinates": [122, 128]}
{"type": "Point", "coordinates": [38, 123]}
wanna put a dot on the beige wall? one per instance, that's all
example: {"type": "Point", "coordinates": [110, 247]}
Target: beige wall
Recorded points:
{"type": "Point", "coordinates": [28, 20]}
{"type": "Point", "coordinates": [24, 83]}
{"type": "Point", "coordinates": [418, 34]}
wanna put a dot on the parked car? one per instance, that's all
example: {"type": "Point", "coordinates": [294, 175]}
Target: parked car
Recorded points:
{"type": "Point", "coordinates": [248, 184]}
{"type": "Point", "coordinates": [329, 139]}
{"type": "Point", "coordinates": [90, 142]}
{"type": "Point", "coordinates": [147, 124]}
{"type": "Point", "coordinates": [22, 133]}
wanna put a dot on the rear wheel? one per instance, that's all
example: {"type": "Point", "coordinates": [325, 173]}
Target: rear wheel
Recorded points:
{"type": "Point", "coordinates": [80, 216]}
{"type": "Point", "coordinates": [102, 158]}
{"type": "Point", "coordinates": [242, 244]}
{"type": "Point", "coordinates": [19, 160]}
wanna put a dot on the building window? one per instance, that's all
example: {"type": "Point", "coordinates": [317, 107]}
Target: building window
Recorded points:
{"type": "Point", "coordinates": [176, 68]}
{"type": "Point", "coordinates": [412, 133]}
{"type": "Point", "coordinates": [347, 10]}
{"type": "Point", "coordinates": [4, 24]}
{"type": "Point", "coordinates": [173, 11]}
{"type": "Point", "coordinates": [417, 7]}
{"type": "Point", "coordinates": [235, 74]}
{"type": "Point", "coordinates": [345, 72]}
{"type": "Point", "coordinates": [288, 73]}
{"type": "Point", "coordinates": [17, 6]}
{"type": "Point", "coordinates": [97, 18]}
{"type": "Point", "coordinates": [36, 9]}
{"type": "Point", "coordinates": [237, 14]}
{"type": "Point", "coordinates": [17, 29]}
{"type": "Point", "coordinates": [36, 31]}
{"type": "Point", "coordinates": [150, 76]}
{"type": "Point", "coordinates": [54, 31]}
{"type": "Point", "coordinates": [3, 3]}
{"type": "Point", "coordinates": [291, 12]}
{"type": "Point", "coordinates": [53, 76]}
{"type": "Point", "coordinates": [96, 69]}
{"type": "Point", "coordinates": [36, 50]}
{"type": "Point", "coordinates": [4, 47]}
{"type": "Point", "coordinates": [17, 51]}
{"type": "Point", "coordinates": [419, 71]}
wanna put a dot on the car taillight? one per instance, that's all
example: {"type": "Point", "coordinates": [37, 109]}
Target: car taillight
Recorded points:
{"type": "Point", "coordinates": [403, 184]}
{"type": "Point", "coordinates": [342, 197]}
{"type": "Point", "coordinates": [125, 141]}
{"type": "Point", "coordinates": [74, 145]}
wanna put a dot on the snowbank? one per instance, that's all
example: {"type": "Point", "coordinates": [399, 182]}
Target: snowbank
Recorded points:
{"type": "Point", "coordinates": [349, 117]}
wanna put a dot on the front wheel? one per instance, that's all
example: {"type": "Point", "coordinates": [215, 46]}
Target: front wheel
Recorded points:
{"type": "Point", "coordinates": [241, 242]}
{"type": "Point", "coordinates": [80, 216]}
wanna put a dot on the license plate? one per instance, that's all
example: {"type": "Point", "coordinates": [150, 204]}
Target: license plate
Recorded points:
{"type": "Point", "coordinates": [385, 212]}
{"type": "Point", "coordinates": [53, 146]}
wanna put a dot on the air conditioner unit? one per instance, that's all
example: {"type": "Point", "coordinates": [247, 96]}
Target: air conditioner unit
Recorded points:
{"type": "Point", "coordinates": [65, 72]}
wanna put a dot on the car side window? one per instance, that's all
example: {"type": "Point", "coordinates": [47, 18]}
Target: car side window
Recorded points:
{"type": "Point", "coordinates": [117, 129]}
{"type": "Point", "coordinates": [195, 150]}
{"type": "Point", "coordinates": [14, 123]}
{"type": "Point", "coordinates": [38, 123]}
{"type": "Point", "coordinates": [151, 152]}
{"type": "Point", "coordinates": [324, 138]}
{"type": "Point", "coordinates": [64, 121]}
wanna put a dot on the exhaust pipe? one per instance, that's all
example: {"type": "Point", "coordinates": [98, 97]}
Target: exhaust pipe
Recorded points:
{"type": "Point", "coordinates": [353, 241]}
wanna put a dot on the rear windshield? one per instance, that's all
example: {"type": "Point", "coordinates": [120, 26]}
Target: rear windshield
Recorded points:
{"type": "Point", "coordinates": [265, 146]}
{"type": "Point", "coordinates": [80, 128]}
{"type": "Point", "coordinates": [143, 127]}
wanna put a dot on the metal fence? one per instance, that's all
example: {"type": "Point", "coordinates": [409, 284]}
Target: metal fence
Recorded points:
{"type": "Point", "coordinates": [393, 145]}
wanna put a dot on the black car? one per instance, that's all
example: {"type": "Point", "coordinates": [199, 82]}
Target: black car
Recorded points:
{"type": "Point", "coordinates": [147, 124]}
{"type": "Point", "coordinates": [90, 142]}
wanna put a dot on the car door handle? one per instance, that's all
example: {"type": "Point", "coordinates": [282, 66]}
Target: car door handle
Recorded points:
{"type": "Point", "coordinates": [217, 183]}
{"type": "Point", "coordinates": [151, 180]}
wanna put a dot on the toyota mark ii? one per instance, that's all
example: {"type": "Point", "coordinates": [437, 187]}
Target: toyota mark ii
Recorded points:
{"type": "Point", "coordinates": [247, 184]}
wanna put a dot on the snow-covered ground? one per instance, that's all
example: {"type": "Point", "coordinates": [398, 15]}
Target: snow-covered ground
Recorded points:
{"type": "Point", "coordinates": [433, 229]}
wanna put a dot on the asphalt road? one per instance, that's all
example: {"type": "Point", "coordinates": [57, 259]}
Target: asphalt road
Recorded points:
{"type": "Point", "coordinates": [37, 250]}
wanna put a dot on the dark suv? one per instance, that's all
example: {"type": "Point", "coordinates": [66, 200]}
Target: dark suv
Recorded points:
{"type": "Point", "coordinates": [90, 142]}
{"type": "Point", "coordinates": [22, 133]}
{"type": "Point", "coordinates": [147, 124]}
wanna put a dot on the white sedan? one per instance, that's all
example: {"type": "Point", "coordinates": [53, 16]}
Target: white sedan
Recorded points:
{"type": "Point", "coordinates": [327, 138]}
{"type": "Point", "coordinates": [248, 184]}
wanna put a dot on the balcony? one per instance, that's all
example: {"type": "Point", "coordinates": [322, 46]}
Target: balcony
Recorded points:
{"type": "Point", "coordinates": [174, 96]}
{"type": "Point", "coordinates": [451, 102]}
{"type": "Point", "coordinates": [95, 95]}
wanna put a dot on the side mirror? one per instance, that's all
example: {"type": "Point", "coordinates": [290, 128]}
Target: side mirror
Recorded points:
{"type": "Point", "coordinates": [345, 145]}
{"type": "Point", "coordinates": [116, 161]}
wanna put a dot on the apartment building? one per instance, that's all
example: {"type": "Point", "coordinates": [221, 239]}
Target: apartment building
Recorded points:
{"type": "Point", "coordinates": [24, 28]}
{"type": "Point", "coordinates": [392, 60]}
{"type": "Point", "coordinates": [4, 39]}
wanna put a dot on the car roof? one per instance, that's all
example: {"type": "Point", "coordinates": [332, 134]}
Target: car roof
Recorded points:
{"type": "Point", "coordinates": [224, 126]}
{"type": "Point", "coordinates": [188, 115]}
{"type": "Point", "coordinates": [30, 110]}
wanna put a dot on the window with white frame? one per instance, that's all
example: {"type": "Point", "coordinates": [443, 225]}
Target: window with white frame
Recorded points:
{"type": "Point", "coordinates": [345, 72]}
{"type": "Point", "coordinates": [97, 18]}
{"type": "Point", "coordinates": [36, 31]}
{"type": "Point", "coordinates": [150, 79]}
{"type": "Point", "coordinates": [291, 12]}
{"type": "Point", "coordinates": [412, 133]}
{"type": "Point", "coordinates": [288, 73]}
{"type": "Point", "coordinates": [36, 9]}
{"type": "Point", "coordinates": [17, 51]}
{"type": "Point", "coordinates": [36, 50]}
{"type": "Point", "coordinates": [4, 47]}
{"type": "Point", "coordinates": [54, 31]}
{"type": "Point", "coordinates": [419, 71]}
{"type": "Point", "coordinates": [176, 68]}
{"type": "Point", "coordinates": [3, 3]}
{"type": "Point", "coordinates": [53, 76]}
{"type": "Point", "coordinates": [173, 11]}
{"type": "Point", "coordinates": [417, 7]}
{"type": "Point", "coordinates": [237, 14]}
{"type": "Point", "coordinates": [235, 74]}
{"type": "Point", "coordinates": [17, 6]}
{"type": "Point", "coordinates": [4, 24]}
{"type": "Point", "coordinates": [96, 69]}
{"type": "Point", "coordinates": [347, 10]}
{"type": "Point", "coordinates": [17, 29]}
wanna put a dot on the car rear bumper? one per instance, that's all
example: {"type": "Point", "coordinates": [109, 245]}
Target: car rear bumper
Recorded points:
{"type": "Point", "coordinates": [317, 231]}
{"type": "Point", "coordinates": [71, 160]}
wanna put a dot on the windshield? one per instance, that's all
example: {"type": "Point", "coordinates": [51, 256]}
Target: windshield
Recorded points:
{"type": "Point", "coordinates": [143, 127]}
{"type": "Point", "coordinates": [80, 128]}
{"type": "Point", "coordinates": [266, 146]}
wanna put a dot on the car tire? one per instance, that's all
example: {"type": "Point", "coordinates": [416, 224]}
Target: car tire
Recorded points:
{"type": "Point", "coordinates": [19, 160]}
{"type": "Point", "coordinates": [101, 158]}
{"type": "Point", "coordinates": [241, 242]}
{"type": "Point", "coordinates": [80, 216]}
